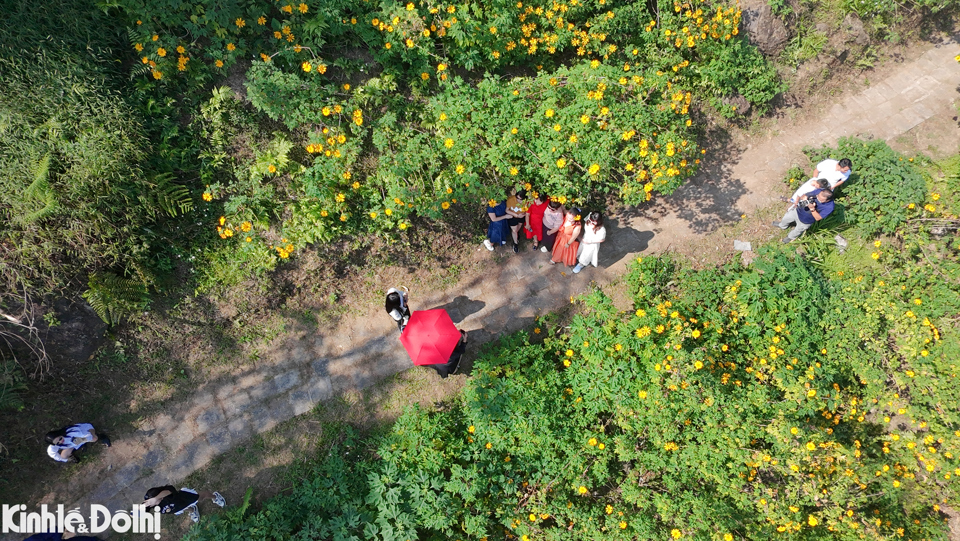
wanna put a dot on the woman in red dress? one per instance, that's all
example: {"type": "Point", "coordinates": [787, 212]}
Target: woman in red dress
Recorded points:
{"type": "Point", "coordinates": [565, 247]}
{"type": "Point", "coordinates": [534, 226]}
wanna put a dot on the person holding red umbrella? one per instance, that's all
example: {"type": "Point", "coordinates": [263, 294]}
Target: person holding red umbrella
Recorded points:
{"type": "Point", "coordinates": [433, 340]}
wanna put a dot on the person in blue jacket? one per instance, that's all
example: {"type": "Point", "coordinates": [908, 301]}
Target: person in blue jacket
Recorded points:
{"type": "Point", "coordinates": [810, 209]}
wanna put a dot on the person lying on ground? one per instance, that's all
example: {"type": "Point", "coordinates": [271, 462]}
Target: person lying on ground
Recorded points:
{"type": "Point", "coordinates": [811, 208]}
{"type": "Point", "coordinates": [66, 441]}
{"type": "Point", "coordinates": [836, 172]}
{"type": "Point", "coordinates": [170, 500]}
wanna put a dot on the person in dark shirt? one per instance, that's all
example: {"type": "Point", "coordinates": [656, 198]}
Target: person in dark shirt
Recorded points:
{"type": "Point", "coordinates": [170, 500]}
{"type": "Point", "coordinates": [810, 209]}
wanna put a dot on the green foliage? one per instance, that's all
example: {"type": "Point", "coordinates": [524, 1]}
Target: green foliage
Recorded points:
{"type": "Point", "coordinates": [78, 190]}
{"type": "Point", "coordinates": [113, 297]}
{"type": "Point", "coordinates": [732, 403]}
{"type": "Point", "coordinates": [11, 385]}
{"type": "Point", "coordinates": [883, 188]}
{"type": "Point", "coordinates": [593, 106]}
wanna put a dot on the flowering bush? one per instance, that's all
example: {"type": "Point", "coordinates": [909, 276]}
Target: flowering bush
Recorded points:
{"type": "Point", "coordinates": [577, 99]}
{"type": "Point", "coordinates": [775, 401]}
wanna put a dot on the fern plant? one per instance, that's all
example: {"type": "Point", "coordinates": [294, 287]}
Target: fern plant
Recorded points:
{"type": "Point", "coordinates": [10, 387]}
{"type": "Point", "coordinates": [114, 297]}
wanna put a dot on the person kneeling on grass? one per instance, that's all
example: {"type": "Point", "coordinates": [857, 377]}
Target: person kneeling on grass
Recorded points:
{"type": "Point", "coordinates": [811, 208]}
{"type": "Point", "coordinates": [66, 441]}
{"type": "Point", "coordinates": [171, 500]}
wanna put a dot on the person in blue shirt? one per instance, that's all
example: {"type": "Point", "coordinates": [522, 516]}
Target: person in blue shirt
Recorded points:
{"type": "Point", "coordinates": [498, 231]}
{"type": "Point", "coordinates": [810, 209]}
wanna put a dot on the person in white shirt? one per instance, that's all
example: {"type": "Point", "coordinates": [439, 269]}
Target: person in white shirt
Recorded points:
{"type": "Point", "coordinates": [807, 187]}
{"type": "Point", "coordinates": [836, 172]}
{"type": "Point", "coordinates": [396, 306]}
{"type": "Point", "coordinates": [593, 235]}
{"type": "Point", "coordinates": [66, 441]}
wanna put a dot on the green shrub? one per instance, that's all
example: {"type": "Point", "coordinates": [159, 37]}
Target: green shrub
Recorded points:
{"type": "Point", "coordinates": [884, 187]}
{"type": "Point", "coordinates": [729, 404]}
{"type": "Point", "coordinates": [76, 196]}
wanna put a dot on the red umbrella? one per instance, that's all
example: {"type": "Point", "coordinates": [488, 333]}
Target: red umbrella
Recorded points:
{"type": "Point", "coordinates": [430, 337]}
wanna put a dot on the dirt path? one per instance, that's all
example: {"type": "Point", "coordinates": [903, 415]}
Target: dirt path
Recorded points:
{"type": "Point", "coordinates": [308, 366]}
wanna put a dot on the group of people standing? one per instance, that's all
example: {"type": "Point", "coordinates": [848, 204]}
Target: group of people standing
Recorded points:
{"type": "Point", "coordinates": [64, 445]}
{"type": "Point", "coordinates": [565, 233]}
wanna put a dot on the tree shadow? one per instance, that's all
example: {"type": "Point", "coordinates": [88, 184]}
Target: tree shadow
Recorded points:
{"type": "Point", "coordinates": [707, 200]}
{"type": "Point", "coordinates": [461, 307]}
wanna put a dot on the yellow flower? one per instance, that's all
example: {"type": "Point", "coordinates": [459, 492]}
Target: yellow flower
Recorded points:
{"type": "Point", "coordinates": [218, 63]}
{"type": "Point", "coordinates": [355, 185]}
{"type": "Point", "coordinates": [812, 520]}
{"type": "Point", "coordinates": [561, 163]}
{"type": "Point", "coordinates": [935, 196]}
{"type": "Point", "coordinates": [623, 525]}
{"type": "Point", "coordinates": [161, 52]}
{"type": "Point", "coordinates": [441, 67]}
{"type": "Point", "coordinates": [448, 143]}
{"type": "Point", "coordinates": [592, 442]}
{"type": "Point", "coordinates": [261, 20]}
{"type": "Point", "coordinates": [811, 446]}
{"type": "Point", "coordinates": [207, 196]}
{"type": "Point", "coordinates": [240, 23]}
{"type": "Point", "coordinates": [403, 226]}
{"type": "Point", "coordinates": [246, 226]}
{"type": "Point", "coordinates": [549, 113]}
{"type": "Point", "coordinates": [676, 534]}
{"type": "Point", "coordinates": [444, 205]}
{"type": "Point", "coordinates": [138, 47]}
{"type": "Point", "coordinates": [875, 255]}
{"type": "Point", "coordinates": [373, 214]}
{"type": "Point", "coordinates": [594, 169]}
{"type": "Point", "coordinates": [180, 49]}
{"type": "Point", "coordinates": [811, 393]}
{"type": "Point", "coordinates": [271, 168]}
{"type": "Point", "coordinates": [727, 537]}
{"type": "Point", "coordinates": [410, 44]}
{"type": "Point", "coordinates": [306, 67]}
{"type": "Point", "coordinates": [584, 119]}
{"type": "Point", "coordinates": [582, 489]}
{"type": "Point", "coordinates": [155, 37]}
{"type": "Point", "coordinates": [794, 431]}
{"type": "Point", "coordinates": [425, 76]}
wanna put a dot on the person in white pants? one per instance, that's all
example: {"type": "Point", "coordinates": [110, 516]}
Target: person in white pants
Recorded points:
{"type": "Point", "coordinates": [593, 236]}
